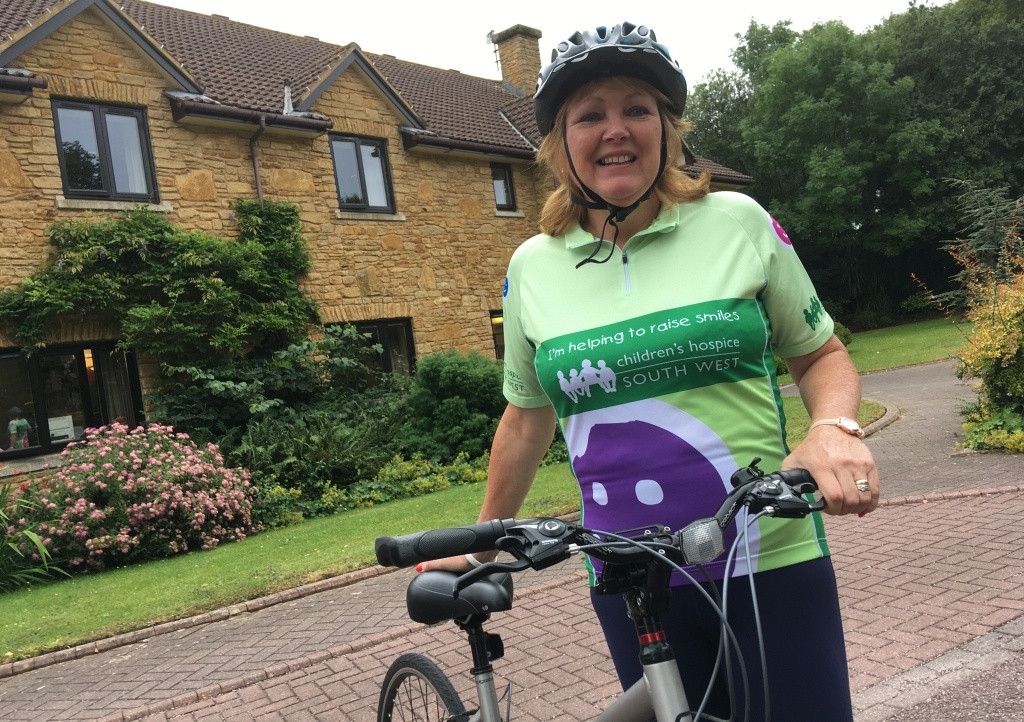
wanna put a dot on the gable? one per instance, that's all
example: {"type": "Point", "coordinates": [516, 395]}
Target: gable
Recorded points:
{"type": "Point", "coordinates": [53, 19]}
{"type": "Point", "coordinates": [90, 58]}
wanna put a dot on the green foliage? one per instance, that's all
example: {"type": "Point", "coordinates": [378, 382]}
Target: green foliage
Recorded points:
{"type": "Point", "coordinates": [848, 136]}
{"type": "Point", "coordinates": [843, 333]}
{"type": "Point", "coordinates": [173, 293]}
{"type": "Point", "coordinates": [306, 421]}
{"type": "Point", "coordinates": [406, 478]}
{"type": "Point", "coordinates": [1002, 429]}
{"type": "Point", "coordinates": [218, 400]}
{"type": "Point", "coordinates": [454, 404]}
{"type": "Point", "coordinates": [24, 558]}
{"type": "Point", "coordinates": [308, 459]}
{"type": "Point", "coordinates": [121, 496]}
{"type": "Point", "coordinates": [991, 257]}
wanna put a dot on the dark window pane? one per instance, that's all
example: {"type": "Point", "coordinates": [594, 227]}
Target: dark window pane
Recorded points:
{"type": "Point", "coordinates": [62, 396]}
{"type": "Point", "coordinates": [126, 157]}
{"type": "Point", "coordinates": [81, 148]}
{"type": "Point", "coordinates": [397, 349]}
{"type": "Point", "coordinates": [16, 407]}
{"type": "Point", "coordinates": [350, 189]}
{"type": "Point", "coordinates": [395, 337]}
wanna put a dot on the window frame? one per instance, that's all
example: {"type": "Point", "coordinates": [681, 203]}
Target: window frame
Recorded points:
{"type": "Point", "coordinates": [89, 383]}
{"type": "Point", "coordinates": [359, 142]}
{"type": "Point", "coordinates": [100, 112]}
{"type": "Point", "coordinates": [378, 329]}
{"type": "Point", "coordinates": [497, 320]}
{"type": "Point", "coordinates": [505, 169]}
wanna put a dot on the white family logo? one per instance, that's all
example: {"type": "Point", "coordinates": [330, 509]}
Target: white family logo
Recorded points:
{"type": "Point", "coordinates": [579, 382]}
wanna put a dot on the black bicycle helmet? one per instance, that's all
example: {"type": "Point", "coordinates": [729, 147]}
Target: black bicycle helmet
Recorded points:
{"type": "Point", "coordinates": [625, 49]}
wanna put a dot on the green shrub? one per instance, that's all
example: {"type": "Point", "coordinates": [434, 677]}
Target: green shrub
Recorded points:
{"type": "Point", "coordinates": [843, 334]}
{"type": "Point", "coordinates": [306, 459]}
{"type": "Point", "coordinates": [24, 558]}
{"type": "Point", "coordinates": [454, 404]}
{"type": "Point", "coordinates": [986, 429]}
{"type": "Point", "coordinates": [216, 402]}
{"type": "Point", "coordinates": [405, 478]}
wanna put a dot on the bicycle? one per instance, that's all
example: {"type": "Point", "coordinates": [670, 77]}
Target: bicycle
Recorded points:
{"type": "Point", "coordinates": [637, 564]}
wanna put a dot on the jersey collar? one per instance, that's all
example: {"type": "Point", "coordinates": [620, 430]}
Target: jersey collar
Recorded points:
{"type": "Point", "coordinates": [666, 220]}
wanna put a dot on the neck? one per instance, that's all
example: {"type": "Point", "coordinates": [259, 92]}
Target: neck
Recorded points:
{"type": "Point", "coordinates": [635, 222]}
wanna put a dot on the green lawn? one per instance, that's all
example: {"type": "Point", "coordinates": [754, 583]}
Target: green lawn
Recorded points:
{"type": "Point", "coordinates": [84, 608]}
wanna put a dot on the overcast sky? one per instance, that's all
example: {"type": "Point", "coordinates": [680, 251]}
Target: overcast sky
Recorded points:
{"type": "Point", "coordinates": [453, 35]}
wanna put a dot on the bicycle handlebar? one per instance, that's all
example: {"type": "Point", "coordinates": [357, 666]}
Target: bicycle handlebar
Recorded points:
{"type": "Point", "coordinates": [538, 543]}
{"type": "Point", "coordinates": [410, 549]}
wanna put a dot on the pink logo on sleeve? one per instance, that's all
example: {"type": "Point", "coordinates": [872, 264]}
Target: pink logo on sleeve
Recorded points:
{"type": "Point", "coordinates": [780, 233]}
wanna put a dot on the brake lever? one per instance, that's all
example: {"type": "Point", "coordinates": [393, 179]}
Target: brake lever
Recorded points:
{"type": "Point", "coordinates": [780, 500]}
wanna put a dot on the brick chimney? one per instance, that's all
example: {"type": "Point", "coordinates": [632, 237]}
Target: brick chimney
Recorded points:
{"type": "Point", "coordinates": [519, 55]}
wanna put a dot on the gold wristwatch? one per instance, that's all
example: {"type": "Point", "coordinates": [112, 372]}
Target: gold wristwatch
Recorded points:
{"type": "Point", "coordinates": [850, 426]}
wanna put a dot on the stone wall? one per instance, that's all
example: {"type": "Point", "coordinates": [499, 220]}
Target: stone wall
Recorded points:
{"type": "Point", "coordinates": [439, 259]}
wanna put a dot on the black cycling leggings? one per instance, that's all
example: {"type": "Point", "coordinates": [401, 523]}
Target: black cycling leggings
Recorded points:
{"type": "Point", "coordinates": [808, 679]}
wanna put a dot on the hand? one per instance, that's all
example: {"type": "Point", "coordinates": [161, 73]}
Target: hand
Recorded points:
{"type": "Point", "coordinates": [459, 565]}
{"type": "Point", "coordinates": [837, 460]}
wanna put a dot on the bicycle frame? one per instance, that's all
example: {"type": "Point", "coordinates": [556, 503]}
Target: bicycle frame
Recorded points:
{"type": "Point", "coordinates": [637, 568]}
{"type": "Point", "coordinates": [659, 694]}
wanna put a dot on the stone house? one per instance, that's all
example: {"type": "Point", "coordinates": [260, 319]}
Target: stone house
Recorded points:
{"type": "Point", "coordinates": [415, 184]}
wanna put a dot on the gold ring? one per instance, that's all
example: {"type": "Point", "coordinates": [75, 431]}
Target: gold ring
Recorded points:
{"type": "Point", "coordinates": [862, 485]}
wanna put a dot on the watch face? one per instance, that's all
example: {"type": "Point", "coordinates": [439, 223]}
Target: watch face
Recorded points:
{"type": "Point", "coordinates": [850, 425]}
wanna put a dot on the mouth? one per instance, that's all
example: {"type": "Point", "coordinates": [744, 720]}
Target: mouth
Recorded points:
{"type": "Point", "coordinates": [617, 160]}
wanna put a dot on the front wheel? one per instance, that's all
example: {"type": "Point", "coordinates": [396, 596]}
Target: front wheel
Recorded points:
{"type": "Point", "coordinates": [416, 689]}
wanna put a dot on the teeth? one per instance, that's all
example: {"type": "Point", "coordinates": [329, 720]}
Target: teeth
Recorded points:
{"type": "Point", "coordinates": [616, 159]}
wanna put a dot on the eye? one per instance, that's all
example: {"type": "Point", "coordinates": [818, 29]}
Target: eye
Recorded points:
{"type": "Point", "coordinates": [590, 117]}
{"type": "Point", "coordinates": [638, 111]}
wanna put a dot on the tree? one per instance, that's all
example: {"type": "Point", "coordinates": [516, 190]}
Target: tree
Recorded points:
{"type": "Point", "coordinates": [843, 164]}
{"type": "Point", "coordinates": [967, 63]}
{"type": "Point", "coordinates": [718, 106]}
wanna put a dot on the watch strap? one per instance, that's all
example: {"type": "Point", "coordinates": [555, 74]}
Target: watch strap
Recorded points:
{"type": "Point", "coordinates": [848, 425]}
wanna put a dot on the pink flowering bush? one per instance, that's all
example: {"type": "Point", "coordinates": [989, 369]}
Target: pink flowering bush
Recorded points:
{"type": "Point", "coordinates": [123, 495]}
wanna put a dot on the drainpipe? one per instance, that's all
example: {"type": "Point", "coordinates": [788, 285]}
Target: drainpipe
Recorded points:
{"type": "Point", "coordinates": [255, 159]}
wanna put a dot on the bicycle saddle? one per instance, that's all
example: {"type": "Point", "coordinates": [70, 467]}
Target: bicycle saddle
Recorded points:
{"type": "Point", "coordinates": [431, 597]}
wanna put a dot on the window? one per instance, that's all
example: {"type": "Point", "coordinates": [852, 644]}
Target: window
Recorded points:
{"type": "Point", "coordinates": [364, 179]}
{"type": "Point", "coordinates": [498, 333]}
{"type": "Point", "coordinates": [55, 394]}
{"type": "Point", "coordinates": [104, 152]}
{"type": "Point", "coordinates": [395, 336]}
{"type": "Point", "coordinates": [504, 195]}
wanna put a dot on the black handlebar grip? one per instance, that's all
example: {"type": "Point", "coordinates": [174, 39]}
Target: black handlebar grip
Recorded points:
{"type": "Point", "coordinates": [796, 477]}
{"type": "Point", "coordinates": [410, 549]}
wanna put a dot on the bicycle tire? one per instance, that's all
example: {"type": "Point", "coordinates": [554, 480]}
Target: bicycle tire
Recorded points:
{"type": "Point", "coordinates": [415, 688]}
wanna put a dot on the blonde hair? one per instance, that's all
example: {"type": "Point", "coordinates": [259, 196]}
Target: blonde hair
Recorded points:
{"type": "Point", "coordinates": [674, 186]}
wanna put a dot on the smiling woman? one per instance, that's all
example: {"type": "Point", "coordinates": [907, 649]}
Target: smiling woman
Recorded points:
{"type": "Point", "coordinates": [706, 290]}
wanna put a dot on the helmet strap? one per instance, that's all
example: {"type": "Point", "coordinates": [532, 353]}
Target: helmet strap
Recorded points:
{"type": "Point", "coordinates": [616, 214]}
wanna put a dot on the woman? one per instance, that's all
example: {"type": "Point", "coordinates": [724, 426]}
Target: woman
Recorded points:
{"type": "Point", "coordinates": [683, 325]}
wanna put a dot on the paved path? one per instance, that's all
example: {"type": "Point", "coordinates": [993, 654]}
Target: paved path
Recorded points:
{"type": "Point", "coordinates": [932, 589]}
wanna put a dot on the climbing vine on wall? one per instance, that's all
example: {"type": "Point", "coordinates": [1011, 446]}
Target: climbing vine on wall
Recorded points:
{"type": "Point", "coordinates": [173, 293]}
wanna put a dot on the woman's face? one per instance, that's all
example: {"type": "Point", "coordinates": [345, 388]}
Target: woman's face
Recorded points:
{"type": "Point", "coordinates": [613, 133]}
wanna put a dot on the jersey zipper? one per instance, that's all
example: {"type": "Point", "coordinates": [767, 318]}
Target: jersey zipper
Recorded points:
{"type": "Point", "coordinates": [625, 270]}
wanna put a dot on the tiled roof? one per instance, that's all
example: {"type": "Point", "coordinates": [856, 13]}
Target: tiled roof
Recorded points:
{"type": "Point", "coordinates": [248, 67]}
{"type": "Point", "coordinates": [453, 105]}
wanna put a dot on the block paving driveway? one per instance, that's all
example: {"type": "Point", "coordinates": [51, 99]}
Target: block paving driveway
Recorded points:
{"type": "Point", "coordinates": [932, 588]}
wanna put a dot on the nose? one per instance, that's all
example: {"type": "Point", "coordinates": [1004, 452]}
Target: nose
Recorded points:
{"type": "Point", "coordinates": [615, 128]}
